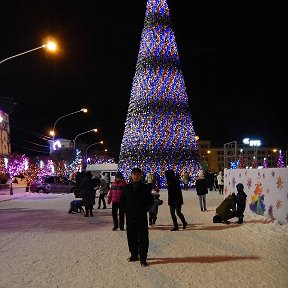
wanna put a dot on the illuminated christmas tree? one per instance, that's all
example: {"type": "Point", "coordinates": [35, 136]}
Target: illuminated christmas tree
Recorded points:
{"type": "Point", "coordinates": [159, 133]}
{"type": "Point", "coordinates": [280, 162]}
{"type": "Point", "coordinates": [254, 163]}
{"type": "Point", "coordinates": [17, 165]}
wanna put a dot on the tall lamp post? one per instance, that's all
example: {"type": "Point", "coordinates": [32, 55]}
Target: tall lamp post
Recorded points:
{"type": "Point", "coordinates": [209, 159]}
{"type": "Point", "coordinates": [74, 141]}
{"type": "Point", "coordinates": [52, 132]}
{"type": "Point", "coordinates": [101, 142]}
{"type": "Point", "coordinates": [49, 46]}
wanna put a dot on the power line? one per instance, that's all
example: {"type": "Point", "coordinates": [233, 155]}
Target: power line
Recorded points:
{"type": "Point", "coordinates": [31, 149]}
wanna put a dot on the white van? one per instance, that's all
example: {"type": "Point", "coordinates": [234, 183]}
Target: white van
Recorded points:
{"type": "Point", "coordinates": [102, 169]}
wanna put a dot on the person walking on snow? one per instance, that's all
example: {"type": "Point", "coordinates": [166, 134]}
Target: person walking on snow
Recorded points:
{"type": "Point", "coordinates": [103, 188]}
{"type": "Point", "coordinates": [114, 195]}
{"type": "Point", "coordinates": [202, 190]}
{"type": "Point", "coordinates": [175, 199]}
{"type": "Point", "coordinates": [153, 212]}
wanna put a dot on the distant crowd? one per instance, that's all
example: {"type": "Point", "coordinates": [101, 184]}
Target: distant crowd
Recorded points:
{"type": "Point", "coordinates": [137, 202]}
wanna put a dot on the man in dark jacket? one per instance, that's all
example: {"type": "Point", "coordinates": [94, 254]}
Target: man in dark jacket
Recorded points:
{"type": "Point", "coordinates": [227, 209]}
{"type": "Point", "coordinates": [240, 202]}
{"type": "Point", "coordinates": [136, 200]}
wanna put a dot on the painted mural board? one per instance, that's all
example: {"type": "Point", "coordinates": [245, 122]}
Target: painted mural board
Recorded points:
{"type": "Point", "coordinates": [266, 189]}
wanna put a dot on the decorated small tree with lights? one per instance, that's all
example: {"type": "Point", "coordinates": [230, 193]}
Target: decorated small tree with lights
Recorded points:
{"type": "Point", "coordinates": [265, 163]}
{"type": "Point", "coordinates": [60, 168]}
{"type": "Point", "coordinates": [159, 133]}
{"type": "Point", "coordinates": [31, 174]}
{"type": "Point", "coordinates": [241, 162]}
{"type": "Point", "coordinates": [17, 165]}
{"type": "Point", "coordinates": [254, 163]}
{"type": "Point", "coordinates": [280, 162]}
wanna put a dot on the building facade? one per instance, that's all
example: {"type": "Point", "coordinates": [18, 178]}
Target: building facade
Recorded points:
{"type": "Point", "coordinates": [219, 158]}
{"type": "Point", "coordinates": [5, 146]}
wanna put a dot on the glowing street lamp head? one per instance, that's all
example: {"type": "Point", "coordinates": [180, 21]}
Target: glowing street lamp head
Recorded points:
{"type": "Point", "coordinates": [50, 46]}
{"type": "Point", "coordinates": [101, 142]}
{"type": "Point", "coordinates": [52, 133]}
{"type": "Point", "coordinates": [84, 110]}
{"type": "Point", "coordinates": [95, 130]}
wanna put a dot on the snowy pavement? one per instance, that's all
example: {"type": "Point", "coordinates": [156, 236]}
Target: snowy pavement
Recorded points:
{"type": "Point", "coordinates": [44, 246]}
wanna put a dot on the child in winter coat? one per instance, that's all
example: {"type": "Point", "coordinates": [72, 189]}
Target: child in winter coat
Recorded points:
{"type": "Point", "coordinates": [153, 212]}
{"type": "Point", "coordinates": [116, 190]}
{"type": "Point", "coordinates": [240, 202]}
{"type": "Point", "coordinates": [76, 206]}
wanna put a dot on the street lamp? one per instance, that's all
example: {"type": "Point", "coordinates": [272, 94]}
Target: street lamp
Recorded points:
{"type": "Point", "coordinates": [51, 46]}
{"type": "Point", "coordinates": [101, 142]}
{"type": "Point", "coordinates": [52, 132]}
{"type": "Point", "coordinates": [74, 141]}
{"type": "Point", "coordinates": [209, 160]}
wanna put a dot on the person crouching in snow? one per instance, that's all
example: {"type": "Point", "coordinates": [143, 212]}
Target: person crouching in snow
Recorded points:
{"type": "Point", "coordinates": [240, 202]}
{"type": "Point", "coordinates": [116, 190]}
{"type": "Point", "coordinates": [153, 212]}
{"type": "Point", "coordinates": [227, 209]}
{"type": "Point", "coordinates": [76, 207]}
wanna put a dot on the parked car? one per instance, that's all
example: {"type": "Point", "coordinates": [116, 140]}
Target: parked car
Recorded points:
{"type": "Point", "coordinates": [53, 184]}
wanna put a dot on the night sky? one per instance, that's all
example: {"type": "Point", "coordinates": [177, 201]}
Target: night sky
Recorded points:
{"type": "Point", "coordinates": [232, 58]}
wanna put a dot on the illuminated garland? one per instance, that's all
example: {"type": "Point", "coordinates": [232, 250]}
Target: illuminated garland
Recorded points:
{"type": "Point", "coordinates": [159, 133]}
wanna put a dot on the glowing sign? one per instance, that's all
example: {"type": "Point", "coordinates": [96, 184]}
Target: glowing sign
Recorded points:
{"type": "Point", "coordinates": [252, 142]}
{"type": "Point", "coordinates": [56, 145]}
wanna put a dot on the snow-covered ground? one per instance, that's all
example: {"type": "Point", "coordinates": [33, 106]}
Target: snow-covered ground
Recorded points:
{"type": "Point", "coordinates": [41, 245]}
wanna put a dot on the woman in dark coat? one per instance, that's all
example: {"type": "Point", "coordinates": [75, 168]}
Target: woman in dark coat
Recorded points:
{"type": "Point", "coordinates": [175, 199]}
{"type": "Point", "coordinates": [88, 186]}
{"type": "Point", "coordinates": [202, 190]}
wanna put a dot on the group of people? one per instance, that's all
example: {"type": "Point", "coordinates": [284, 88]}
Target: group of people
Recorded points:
{"type": "Point", "coordinates": [135, 200]}
{"type": "Point", "coordinates": [87, 185]}
{"type": "Point", "coordinates": [232, 206]}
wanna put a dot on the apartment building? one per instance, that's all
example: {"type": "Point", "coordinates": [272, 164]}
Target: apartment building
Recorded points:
{"type": "Point", "coordinates": [219, 158]}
